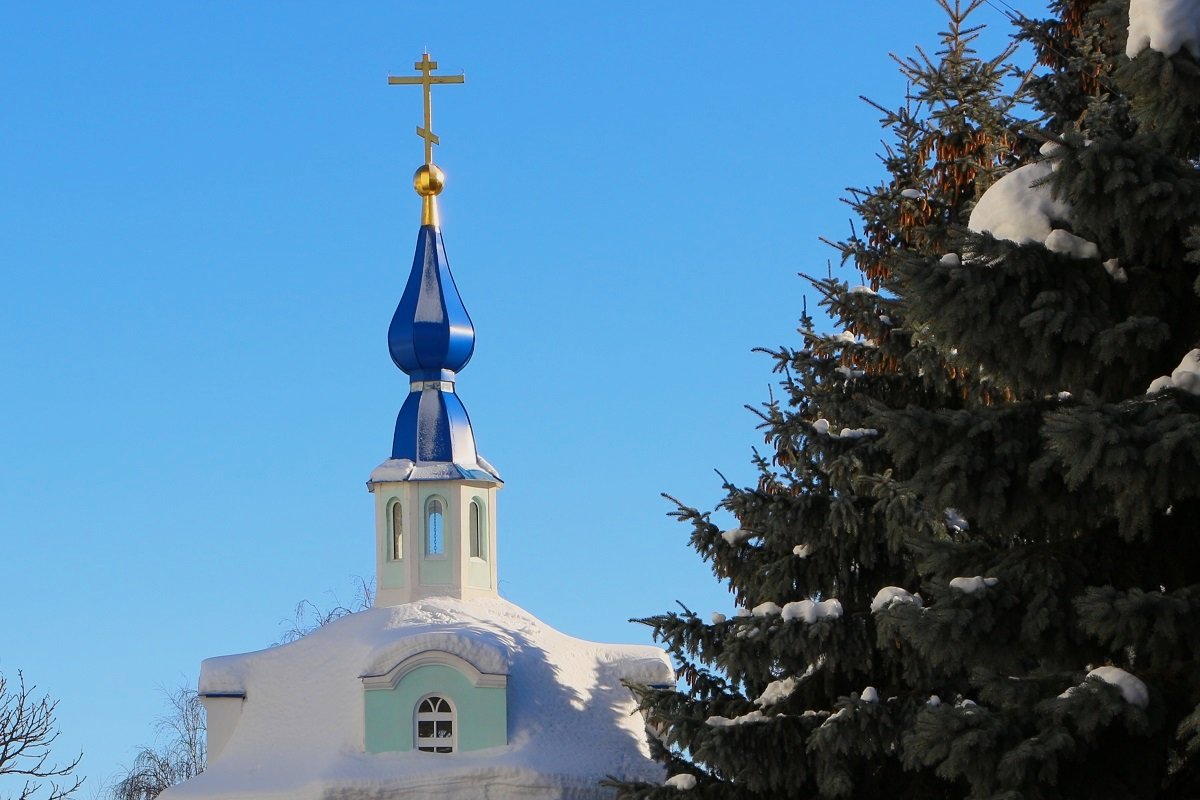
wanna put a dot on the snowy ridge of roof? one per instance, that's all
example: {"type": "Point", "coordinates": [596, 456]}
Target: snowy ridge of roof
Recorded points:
{"type": "Point", "coordinates": [571, 721]}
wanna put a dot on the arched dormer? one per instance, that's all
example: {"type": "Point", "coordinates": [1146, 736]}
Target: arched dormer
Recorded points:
{"type": "Point", "coordinates": [395, 701]}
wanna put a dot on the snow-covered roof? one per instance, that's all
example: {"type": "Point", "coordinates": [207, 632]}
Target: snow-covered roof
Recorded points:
{"type": "Point", "coordinates": [571, 722]}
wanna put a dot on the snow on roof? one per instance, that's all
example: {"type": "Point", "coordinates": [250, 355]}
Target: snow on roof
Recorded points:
{"type": "Point", "coordinates": [571, 722]}
{"type": "Point", "coordinates": [1163, 25]}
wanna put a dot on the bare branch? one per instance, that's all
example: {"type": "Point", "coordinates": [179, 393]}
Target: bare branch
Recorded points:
{"type": "Point", "coordinates": [308, 616]}
{"type": "Point", "coordinates": [27, 730]}
{"type": "Point", "coordinates": [181, 754]}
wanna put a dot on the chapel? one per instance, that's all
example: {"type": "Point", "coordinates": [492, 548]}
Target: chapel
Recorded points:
{"type": "Point", "coordinates": [443, 689]}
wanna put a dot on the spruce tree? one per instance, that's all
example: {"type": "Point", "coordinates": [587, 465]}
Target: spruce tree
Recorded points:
{"type": "Point", "coordinates": [971, 565]}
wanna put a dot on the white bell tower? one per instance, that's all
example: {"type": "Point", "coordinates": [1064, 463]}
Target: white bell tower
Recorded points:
{"type": "Point", "coordinates": [433, 536]}
{"type": "Point", "coordinates": [435, 498]}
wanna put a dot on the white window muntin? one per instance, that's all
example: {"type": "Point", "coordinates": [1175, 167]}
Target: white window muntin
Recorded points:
{"type": "Point", "coordinates": [435, 725]}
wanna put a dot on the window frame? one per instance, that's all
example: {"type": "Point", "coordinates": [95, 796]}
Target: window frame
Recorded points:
{"type": "Point", "coordinates": [439, 745]}
{"type": "Point", "coordinates": [395, 536]}
{"type": "Point", "coordinates": [477, 536]}
{"type": "Point", "coordinates": [428, 516]}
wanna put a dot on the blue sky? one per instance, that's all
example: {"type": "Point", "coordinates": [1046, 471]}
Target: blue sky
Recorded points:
{"type": "Point", "coordinates": [206, 220]}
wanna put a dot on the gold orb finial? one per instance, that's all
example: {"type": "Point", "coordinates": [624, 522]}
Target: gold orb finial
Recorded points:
{"type": "Point", "coordinates": [429, 181]}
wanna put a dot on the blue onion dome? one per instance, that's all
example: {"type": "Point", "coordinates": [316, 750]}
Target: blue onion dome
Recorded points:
{"type": "Point", "coordinates": [431, 336]}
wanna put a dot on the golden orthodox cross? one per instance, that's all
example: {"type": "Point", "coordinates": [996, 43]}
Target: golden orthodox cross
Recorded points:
{"type": "Point", "coordinates": [425, 67]}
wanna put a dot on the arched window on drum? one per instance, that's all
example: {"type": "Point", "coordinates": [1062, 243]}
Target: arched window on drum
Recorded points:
{"type": "Point", "coordinates": [477, 529]}
{"type": "Point", "coordinates": [435, 534]}
{"type": "Point", "coordinates": [396, 526]}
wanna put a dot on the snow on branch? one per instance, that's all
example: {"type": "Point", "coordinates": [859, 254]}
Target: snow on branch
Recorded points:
{"type": "Point", "coordinates": [683, 781]}
{"type": "Point", "coordinates": [1133, 689]}
{"type": "Point", "coordinates": [776, 692]}
{"type": "Point", "coordinates": [1186, 376]}
{"type": "Point", "coordinates": [1163, 25]}
{"type": "Point", "coordinates": [972, 585]}
{"type": "Point", "coordinates": [1021, 207]}
{"type": "Point", "coordinates": [822, 425]}
{"type": "Point", "coordinates": [725, 722]}
{"type": "Point", "coordinates": [808, 611]}
{"type": "Point", "coordinates": [890, 595]}
{"type": "Point", "coordinates": [737, 535]}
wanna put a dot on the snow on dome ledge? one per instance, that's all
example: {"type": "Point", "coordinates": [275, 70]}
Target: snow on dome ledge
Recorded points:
{"type": "Point", "coordinates": [398, 470]}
